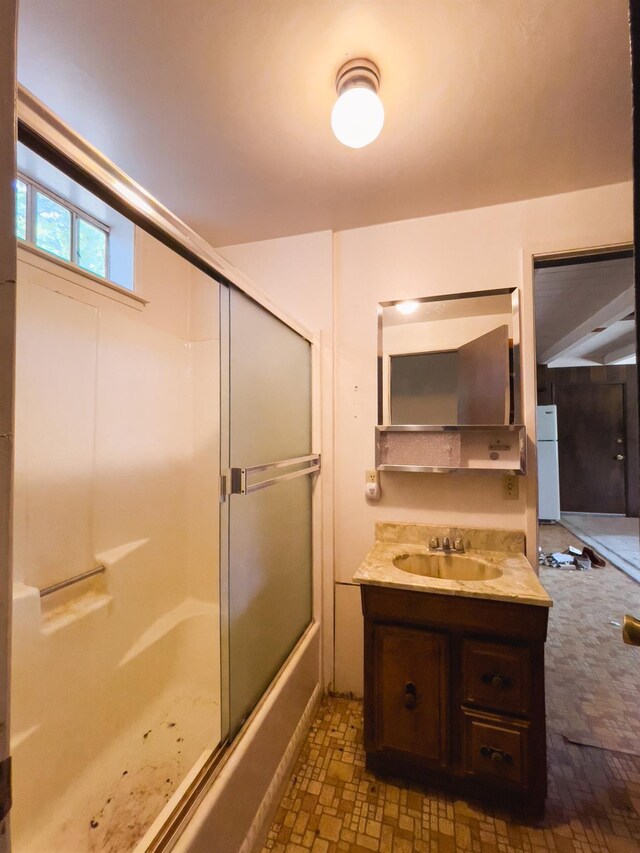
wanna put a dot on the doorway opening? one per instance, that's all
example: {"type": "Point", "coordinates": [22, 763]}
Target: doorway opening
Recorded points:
{"type": "Point", "coordinates": [587, 414]}
{"type": "Point", "coordinates": [587, 434]}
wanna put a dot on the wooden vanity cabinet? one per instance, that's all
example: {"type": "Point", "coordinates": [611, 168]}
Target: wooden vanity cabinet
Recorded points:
{"type": "Point", "coordinates": [454, 693]}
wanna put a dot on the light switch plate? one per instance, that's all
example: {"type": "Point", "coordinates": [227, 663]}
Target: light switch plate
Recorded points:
{"type": "Point", "coordinates": [510, 485]}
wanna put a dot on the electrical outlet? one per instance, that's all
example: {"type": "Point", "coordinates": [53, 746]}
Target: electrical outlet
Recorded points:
{"type": "Point", "coordinates": [371, 477]}
{"type": "Point", "coordinates": [510, 482]}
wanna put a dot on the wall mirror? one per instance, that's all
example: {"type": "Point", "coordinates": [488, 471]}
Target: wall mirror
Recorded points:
{"type": "Point", "coordinates": [450, 360]}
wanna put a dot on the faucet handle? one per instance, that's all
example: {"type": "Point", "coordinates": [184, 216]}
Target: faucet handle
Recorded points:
{"type": "Point", "coordinates": [434, 543]}
{"type": "Point", "coordinates": [458, 545]}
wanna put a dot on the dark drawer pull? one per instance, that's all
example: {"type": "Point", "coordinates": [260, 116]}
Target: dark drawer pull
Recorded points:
{"type": "Point", "coordinates": [496, 680]}
{"type": "Point", "coordinates": [498, 756]}
{"type": "Point", "coordinates": [410, 697]}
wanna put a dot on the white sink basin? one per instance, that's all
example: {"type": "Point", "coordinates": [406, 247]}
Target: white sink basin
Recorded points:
{"type": "Point", "coordinates": [455, 567]}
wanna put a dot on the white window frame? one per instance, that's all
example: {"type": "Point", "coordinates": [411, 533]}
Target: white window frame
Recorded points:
{"type": "Point", "coordinates": [76, 213]}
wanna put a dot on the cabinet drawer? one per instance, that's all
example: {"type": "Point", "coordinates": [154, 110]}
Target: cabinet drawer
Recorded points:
{"type": "Point", "coordinates": [497, 676]}
{"type": "Point", "coordinates": [497, 748]}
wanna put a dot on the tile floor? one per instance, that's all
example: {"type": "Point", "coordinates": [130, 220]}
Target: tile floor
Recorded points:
{"type": "Point", "coordinates": [615, 536]}
{"type": "Point", "coordinates": [332, 803]}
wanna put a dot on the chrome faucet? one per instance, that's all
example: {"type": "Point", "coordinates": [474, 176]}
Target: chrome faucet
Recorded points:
{"type": "Point", "coordinates": [458, 545]}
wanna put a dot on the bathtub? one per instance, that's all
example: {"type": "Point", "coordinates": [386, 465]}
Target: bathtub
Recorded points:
{"type": "Point", "coordinates": [112, 705]}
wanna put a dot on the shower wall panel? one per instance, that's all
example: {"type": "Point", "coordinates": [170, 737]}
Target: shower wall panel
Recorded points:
{"type": "Point", "coordinates": [116, 690]}
{"type": "Point", "coordinates": [55, 431]}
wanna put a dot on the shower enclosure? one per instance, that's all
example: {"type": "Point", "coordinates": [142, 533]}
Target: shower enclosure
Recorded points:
{"type": "Point", "coordinates": [164, 476]}
{"type": "Point", "coordinates": [269, 507]}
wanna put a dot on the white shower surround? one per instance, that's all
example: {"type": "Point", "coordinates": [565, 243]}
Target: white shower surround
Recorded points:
{"type": "Point", "coordinates": [266, 746]}
{"type": "Point", "coordinates": [117, 464]}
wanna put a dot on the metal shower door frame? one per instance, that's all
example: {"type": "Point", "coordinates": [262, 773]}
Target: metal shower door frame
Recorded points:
{"type": "Point", "coordinates": [234, 481]}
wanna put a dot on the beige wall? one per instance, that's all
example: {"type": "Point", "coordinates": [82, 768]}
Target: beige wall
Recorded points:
{"type": "Point", "coordinates": [471, 250]}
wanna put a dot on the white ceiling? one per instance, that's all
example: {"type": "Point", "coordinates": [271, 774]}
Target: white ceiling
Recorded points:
{"type": "Point", "coordinates": [221, 108]}
{"type": "Point", "coordinates": [584, 314]}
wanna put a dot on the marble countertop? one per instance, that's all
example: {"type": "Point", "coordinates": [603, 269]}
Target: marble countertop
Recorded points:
{"type": "Point", "coordinates": [518, 583]}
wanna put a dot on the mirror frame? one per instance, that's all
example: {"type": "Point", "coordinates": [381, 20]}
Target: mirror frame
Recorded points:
{"type": "Point", "coordinates": [513, 292]}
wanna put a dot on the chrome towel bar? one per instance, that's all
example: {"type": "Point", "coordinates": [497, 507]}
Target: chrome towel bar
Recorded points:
{"type": "Point", "coordinates": [55, 587]}
{"type": "Point", "coordinates": [237, 478]}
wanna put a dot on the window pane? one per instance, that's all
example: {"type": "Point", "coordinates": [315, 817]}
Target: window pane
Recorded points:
{"type": "Point", "coordinates": [53, 227]}
{"type": "Point", "coordinates": [92, 248]}
{"type": "Point", "coordinates": [21, 210]}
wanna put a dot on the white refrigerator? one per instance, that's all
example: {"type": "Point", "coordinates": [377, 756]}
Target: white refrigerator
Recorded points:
{"type": "Point", "coordinates": [548, 474]}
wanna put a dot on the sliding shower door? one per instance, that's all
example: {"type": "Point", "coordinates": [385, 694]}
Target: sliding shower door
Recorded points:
{"type": "Point", "coordinates": [269, 505]}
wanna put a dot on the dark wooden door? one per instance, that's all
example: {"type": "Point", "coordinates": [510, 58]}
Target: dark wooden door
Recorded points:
{"type": "Point", "coordinates": [411, 695]}
{"type": "Point", "coordinates": [591, 432]}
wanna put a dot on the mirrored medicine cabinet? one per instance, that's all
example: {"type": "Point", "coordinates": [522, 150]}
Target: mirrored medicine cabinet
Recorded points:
{"type": "Point", "coordinates": [449, 385]}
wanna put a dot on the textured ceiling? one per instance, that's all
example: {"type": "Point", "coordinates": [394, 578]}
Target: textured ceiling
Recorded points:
{"type": "Point", "coordinates": [220, 108]}
{"type": "Point", "coordinates": [577, 295]}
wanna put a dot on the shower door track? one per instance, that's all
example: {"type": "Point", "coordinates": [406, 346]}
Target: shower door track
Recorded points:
{"type": "Point", "coordinates": [171, 830]}
{"type": "Point", "coordinates": [168, 835]}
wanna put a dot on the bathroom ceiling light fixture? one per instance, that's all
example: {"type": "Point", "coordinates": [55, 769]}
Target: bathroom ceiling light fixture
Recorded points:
{"type": "Point", "coordinates": [358, 115]}
{"type": "Point", "coordinates": [407, 307]}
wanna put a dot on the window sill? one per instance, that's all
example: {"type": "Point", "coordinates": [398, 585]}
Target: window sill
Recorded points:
{"type": "Point", "coordinates": [75, 275]}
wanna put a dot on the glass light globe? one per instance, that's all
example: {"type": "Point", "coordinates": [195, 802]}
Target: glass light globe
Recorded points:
{"type": "Point", "coordinates": [357, 117]}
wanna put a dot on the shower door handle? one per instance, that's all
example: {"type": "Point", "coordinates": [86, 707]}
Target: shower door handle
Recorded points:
{"type": "Point", "coordinates": [238, 480]}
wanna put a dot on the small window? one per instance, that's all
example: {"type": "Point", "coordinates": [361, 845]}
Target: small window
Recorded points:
{"type": "Point", "coordinates": [21, 210]}
{"type": "Point", "coordinates": [58, 227]}
{"type": "Point", "coordinates": [91, 247]}
{"type": "Point", "coordinates": [53, 227]}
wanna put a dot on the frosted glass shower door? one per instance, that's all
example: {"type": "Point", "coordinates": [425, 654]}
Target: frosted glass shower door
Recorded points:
{"type": "Point", "coordinates": [269, 526]}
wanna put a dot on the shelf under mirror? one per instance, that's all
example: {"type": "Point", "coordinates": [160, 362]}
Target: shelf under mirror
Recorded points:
{"type": "Point", "coordinates": [428, 448]}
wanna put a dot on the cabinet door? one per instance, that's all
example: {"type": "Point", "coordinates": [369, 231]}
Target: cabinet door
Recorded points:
{"type": "Point", "coordinates": [411, 692]}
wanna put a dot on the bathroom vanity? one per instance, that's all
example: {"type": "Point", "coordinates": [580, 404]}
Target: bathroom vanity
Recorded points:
{"type": "Point", "coordinates": [454, 661]}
